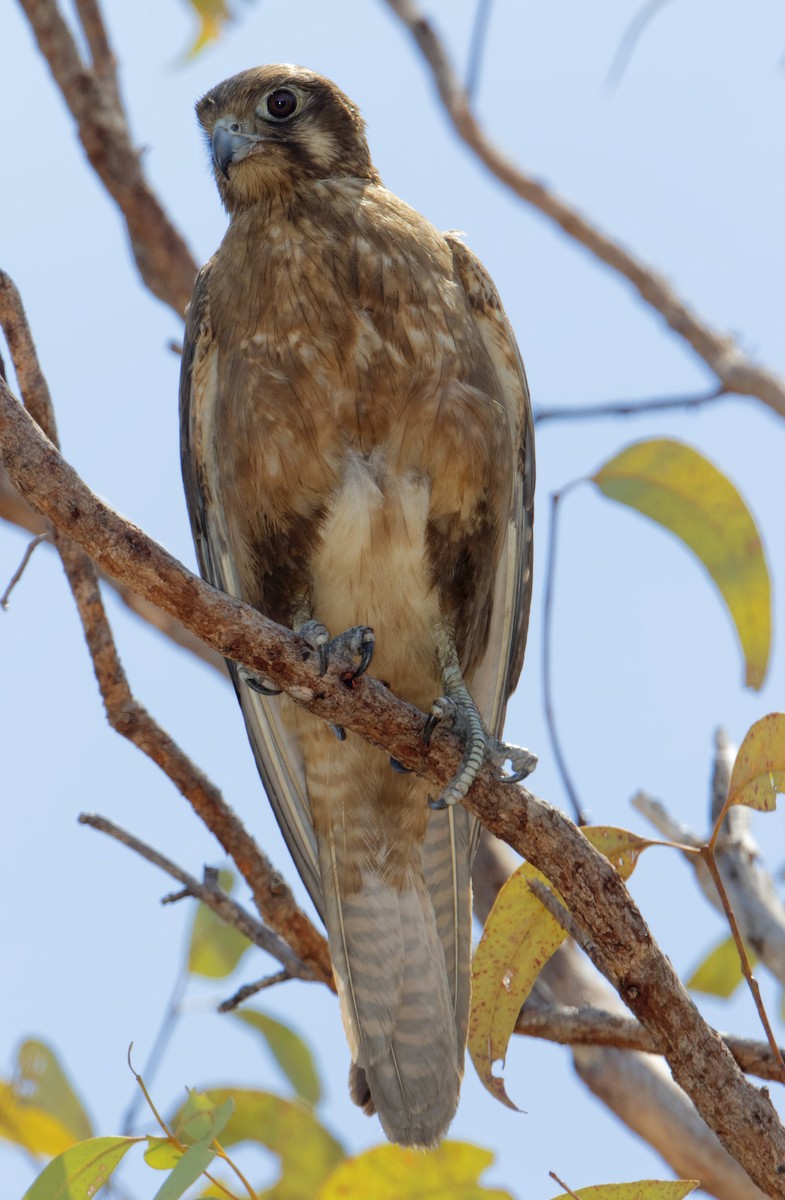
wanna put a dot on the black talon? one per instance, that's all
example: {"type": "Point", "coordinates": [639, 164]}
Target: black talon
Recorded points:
{"type": "Point", "coordinates": [516, 777]}
{"type": "Point", "coordinates": [324, 658]}
{"type": "Point", "coordinates": [437, 805]}
{"type": "Point", "coordinates": [257, 686]}
{"type": "Point", "coordinates": [339, 732]}
{"type": "Point", "coordinates": [399, 767]}
{"type": "Point", "coordinates": [430, 724]}
{"type": "Point", "coordinates": [369, 645]}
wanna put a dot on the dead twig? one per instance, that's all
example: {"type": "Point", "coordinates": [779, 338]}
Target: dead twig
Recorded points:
{"type": "Point", "coordinates": [734, 370]}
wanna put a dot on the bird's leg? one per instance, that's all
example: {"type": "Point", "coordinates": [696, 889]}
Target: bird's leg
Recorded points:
{"type": "Point", "coordinates": [457, 708]}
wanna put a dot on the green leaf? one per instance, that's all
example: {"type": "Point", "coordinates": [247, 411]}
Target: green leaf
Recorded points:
{"type": "Point", "coordinates": [758, 775]}
{"type": "Point", "coordinates": [194, 1163]}
{"type": "Point", "coordinates": [720, 972]}
{"type": "Point", "coordinates": [215, 948]}
{"type": "Point", "coordinates": [520, 936]}
{"type": "Point", "coordinates": [645, 1189]}
{"type": "Point", "coordinates": [40, 1080]}
{"type": "Point", "coordinates": [680, 489]}
{"type": "Point", "coordinates": [202, 1118]}
{"type": "Point", "coordinates": [79, 1172]}
{"type": "Point", "coordinates": [290, 1052]}
{"type": "Point", "coordinates": [290, 1130]}
{"type": "Point", "coordinates": [161, 1154]}
{"type": "Point", "coordinates": [451, 1172]}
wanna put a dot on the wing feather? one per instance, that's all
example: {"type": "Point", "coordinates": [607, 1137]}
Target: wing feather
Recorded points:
{"type": "Point", "coordinates": [276, 750]}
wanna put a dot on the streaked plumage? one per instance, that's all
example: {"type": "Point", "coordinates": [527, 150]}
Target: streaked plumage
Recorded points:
{"type": "Point", "coordinates": [357, 450]}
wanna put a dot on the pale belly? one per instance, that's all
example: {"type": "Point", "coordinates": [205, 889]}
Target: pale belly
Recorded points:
{"type": "Point", "coordinates": [371, 568]}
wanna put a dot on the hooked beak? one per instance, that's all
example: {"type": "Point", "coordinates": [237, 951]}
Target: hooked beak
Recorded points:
{"type": "Point", "coordinates": [229, 146]}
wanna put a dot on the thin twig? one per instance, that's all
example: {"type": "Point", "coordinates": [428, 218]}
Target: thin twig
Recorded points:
{"type": "Point", "coordinates": [627, 408]}
{"type": "Point", "coordinates": [630, 39]}
{"type": "Point", "coordinates": [547, 673]}
{"type": "Point", "coordinates": [20, 570]}
{"type": "Point", "coordinates": [165, 1030]}
{"type": "Point", "coordinates": [221, 904]}
{"type": "Point", "coordinates": [482, 17]}
{"type": "Point", "coordinates": [732, 367]}
{"type": "Point", "coordinates": [250, 989]}
{"type": "Point", "coordinates": [746, 969]}
{"type": "Point", "coordinates": [562, 1184]}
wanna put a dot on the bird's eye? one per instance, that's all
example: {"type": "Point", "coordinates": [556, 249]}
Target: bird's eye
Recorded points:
{"type": "Point", "coordinates": [281, 104]}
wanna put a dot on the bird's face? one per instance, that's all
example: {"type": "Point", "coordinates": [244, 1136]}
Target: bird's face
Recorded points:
{"type": "Point", "coordinates": [273, 128]}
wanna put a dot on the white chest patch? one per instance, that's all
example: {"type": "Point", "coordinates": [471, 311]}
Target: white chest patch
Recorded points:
{"type": "Point", "coordinates": [372, 565]}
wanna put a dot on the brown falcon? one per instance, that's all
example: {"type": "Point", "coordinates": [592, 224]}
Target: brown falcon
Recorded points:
{"type": "Point", "coordinates": [358, 456]}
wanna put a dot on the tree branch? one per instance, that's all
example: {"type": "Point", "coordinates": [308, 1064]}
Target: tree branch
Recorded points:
{"type": "Point", "coordinates": [588, 1026]}
{"type": "Point", "coordinates": [164, 261]}
{"type": "Point", "coordinates": [743, 1118]}
{"type": "Point", "coordinates": [733, 369]}
{"type": "Point", "coordinates": [222, 905]}
{"type": "Point", "coordinates": [272, 895]}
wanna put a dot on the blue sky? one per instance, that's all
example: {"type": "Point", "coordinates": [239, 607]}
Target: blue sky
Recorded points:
{"type": "Point", "coordinates": [683, 162]}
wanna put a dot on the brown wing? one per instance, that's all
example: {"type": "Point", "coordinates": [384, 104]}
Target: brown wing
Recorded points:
{"type": "Point", "coordinates": [495, 678]}
{"type": "Point", "coordinates": [276, 750]}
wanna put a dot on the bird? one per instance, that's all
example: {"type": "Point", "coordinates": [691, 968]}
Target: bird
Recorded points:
{"type": "Point", "coordinates": [358, 461]}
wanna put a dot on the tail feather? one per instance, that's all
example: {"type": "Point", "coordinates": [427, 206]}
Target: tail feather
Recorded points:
{"type": "Point", "coordinates": [447, 858]}
{"type": "Point", "coordinates": [396, 1002]}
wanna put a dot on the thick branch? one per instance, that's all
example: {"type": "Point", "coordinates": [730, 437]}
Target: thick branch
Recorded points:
{"type": "Point", "coordinates": [733, 369]}
{"type": "Point", "coordinates": [587, 1026]}
{"type": "Point", "coordinates": [164, 261]}
{"type": "Point", "coordinates": [743, 1118]}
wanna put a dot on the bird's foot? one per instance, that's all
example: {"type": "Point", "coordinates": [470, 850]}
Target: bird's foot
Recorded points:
{"type": "Point", "coordinates": [460, 713]}
{"type": "Point", "coordinates": [521, 761]}
{"type": "Point", "coordinates": [358, 642]}
{"type": "Point", "coordinates": [258, 683]}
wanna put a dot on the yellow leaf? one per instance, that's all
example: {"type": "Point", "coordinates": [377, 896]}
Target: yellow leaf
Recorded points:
{"type": "Point", "coordinates": [720, 972]}
{"type": "Point", "coordinates": [79, 1172]}
{"type": "Point", "coordinates": [620, 847]}
{"type": "Point", "coordinates": [33, 1128]}
{"type": "Point", "coordinates": [680, 489]}
{"type": "Point", "coordinates": [40, 1080]}
{"type": "Point", "coordinates": [213, 15]}
{"type": "Point", "coordinates": [161, 1154]}
{"type": "Point", "coordinates": [645, 1189]}
{"type": "Point", "coordinates": [520, 936]}
{"type": "Point", "coordinates": [759, 770]}
{"type": "Point", "coordinates": [391, 1173]}
{"type": "Point", "coordinates": [201, 1118]}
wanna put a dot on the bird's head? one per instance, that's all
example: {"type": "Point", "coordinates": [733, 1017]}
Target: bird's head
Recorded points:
{"type": "Point", "coordinates": [272, 128]}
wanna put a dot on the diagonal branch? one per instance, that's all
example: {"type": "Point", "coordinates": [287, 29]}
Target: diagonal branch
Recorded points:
{"type": "Point", "coordinates": [91, 93]}
{"type": "Point", "coordinates": [622, 946]}
{"type": "Point", "coordinates": [124, 713]}
{"type": "Point", "coordinates": [221, 904]}
{"type": "Point", "coordinates": [734, 370]}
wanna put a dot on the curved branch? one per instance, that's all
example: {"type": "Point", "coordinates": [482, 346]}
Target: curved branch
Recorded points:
{"type": "Point", "coordinates": [619, 941]}
{"type": "Point", "coordinates": [164, 260]}
{"type": "Point", "coordinates": [733, 369]}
